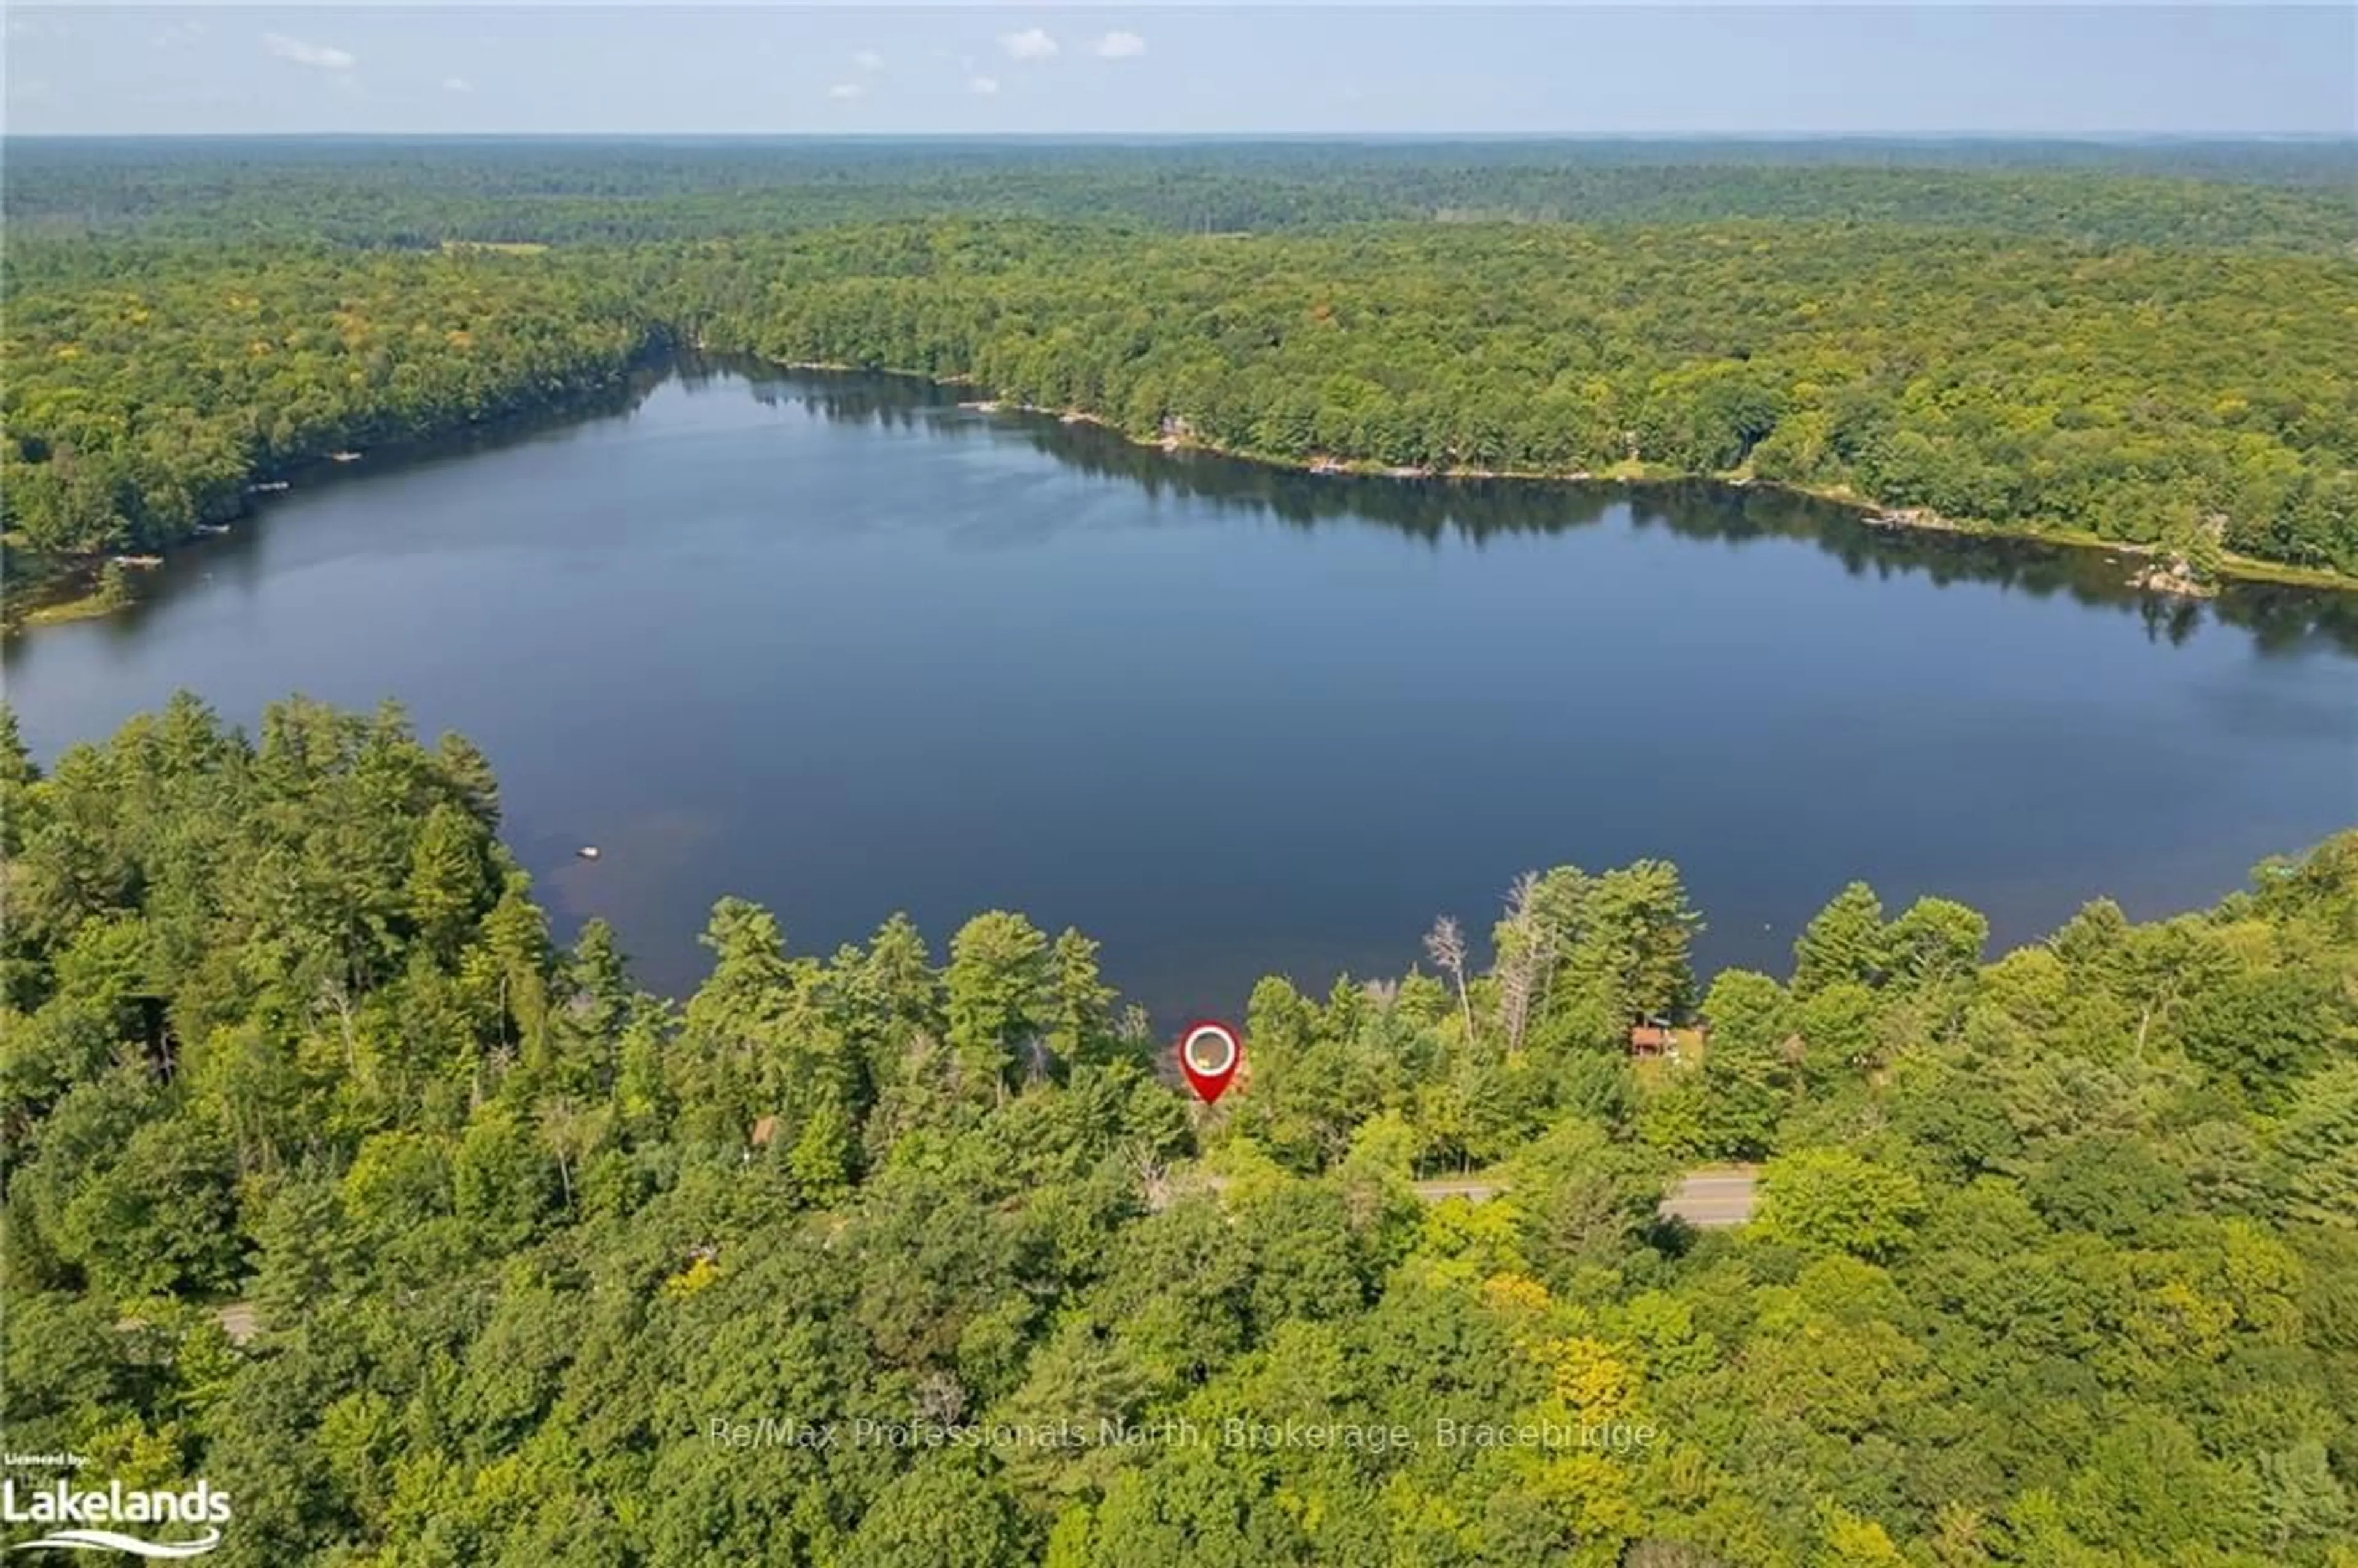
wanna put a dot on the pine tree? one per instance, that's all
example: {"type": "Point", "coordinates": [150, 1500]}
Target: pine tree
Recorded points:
{"type": "Point", "coordinates": [302, 1252]}
{"type": "Point", "coordinates": [999, 999]}
{"type": "Point", "coordinates": [446, 890]}
{"type": "Point", "coordinates": [1844, 941]}
{"type": "Point", "coordinates": [1081, 1022]}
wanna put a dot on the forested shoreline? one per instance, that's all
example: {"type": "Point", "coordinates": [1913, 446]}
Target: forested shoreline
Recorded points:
{"type": "Point", "coordinates": [336, 1178]}
{"type": "Point", "coordinates": [150, 389]}
{"type": "Point", "coordinates": [1945, 342]}
{"type": "Point", "coordinates": [1270, 373]}
{"type": "Point", "coordinates": [2029, 390]}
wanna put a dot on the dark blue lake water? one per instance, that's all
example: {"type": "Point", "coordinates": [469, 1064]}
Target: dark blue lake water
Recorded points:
{"type": "Point", "coordinates": [838, 645]}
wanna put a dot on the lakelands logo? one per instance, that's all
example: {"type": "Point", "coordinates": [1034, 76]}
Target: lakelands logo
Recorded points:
{"type": "Point", "coordinates": [74, 1519]}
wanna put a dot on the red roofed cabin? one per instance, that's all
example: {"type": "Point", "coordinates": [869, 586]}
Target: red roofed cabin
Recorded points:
{"type": "Point", "coordinates": [1655, 1035]}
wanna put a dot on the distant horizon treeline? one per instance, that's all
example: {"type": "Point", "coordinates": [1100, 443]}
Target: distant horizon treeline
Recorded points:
{"type": "Point", "coordinates": [2271, 194]}
{"type": "Point", "coordinates": [2192, 401]}
{"type": "Point", "coordinates": [2054, 1266]}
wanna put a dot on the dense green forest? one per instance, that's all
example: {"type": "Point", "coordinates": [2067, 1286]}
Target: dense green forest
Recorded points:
{"type": "Point", "coordinates": [2276, 195]}
{"type": "Point", "coordinates": [2139, 397]}
{"type": "Point", "coordinates": [2170, 393]}
{"type": "Point", "coordinates": [143, 397]}
{"type": "Point", "coordinates": [2056, 1263]}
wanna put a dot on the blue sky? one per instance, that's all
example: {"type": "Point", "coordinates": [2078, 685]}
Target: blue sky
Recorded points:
{"type": "Point", "coordinates": [983, 69]}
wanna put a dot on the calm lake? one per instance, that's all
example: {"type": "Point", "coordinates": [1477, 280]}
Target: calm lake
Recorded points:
{"type": "Point", "coordinates": [838, 645]}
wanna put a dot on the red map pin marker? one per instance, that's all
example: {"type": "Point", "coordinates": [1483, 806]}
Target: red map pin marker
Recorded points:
{"type": "Point", "coordinates": [1208, 1054]}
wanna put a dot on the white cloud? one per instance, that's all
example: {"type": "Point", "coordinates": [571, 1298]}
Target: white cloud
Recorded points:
{"type": "Point", "coordinates": [1029, 44]}
{"type": "Point", "coordinates": [177, 34]}
{"type": "Point", "coordinates": [843, 92]}
{"type": "Point", "coordinates": [985, 85]}
{"type": "Point", "coordinates": [867, 59]}
{"type": "Point", "coordinates": [1119, 45]}
{"type": "Point", "coordinates": [325, 57]}
{"type": "Point", "coordinates": [456, 84]}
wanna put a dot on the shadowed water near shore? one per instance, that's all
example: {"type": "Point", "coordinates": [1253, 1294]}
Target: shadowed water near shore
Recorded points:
{"type": "Point", "coordinates": [1479, 509]}
{"type": "Point", "coordinates": [836, 643]}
